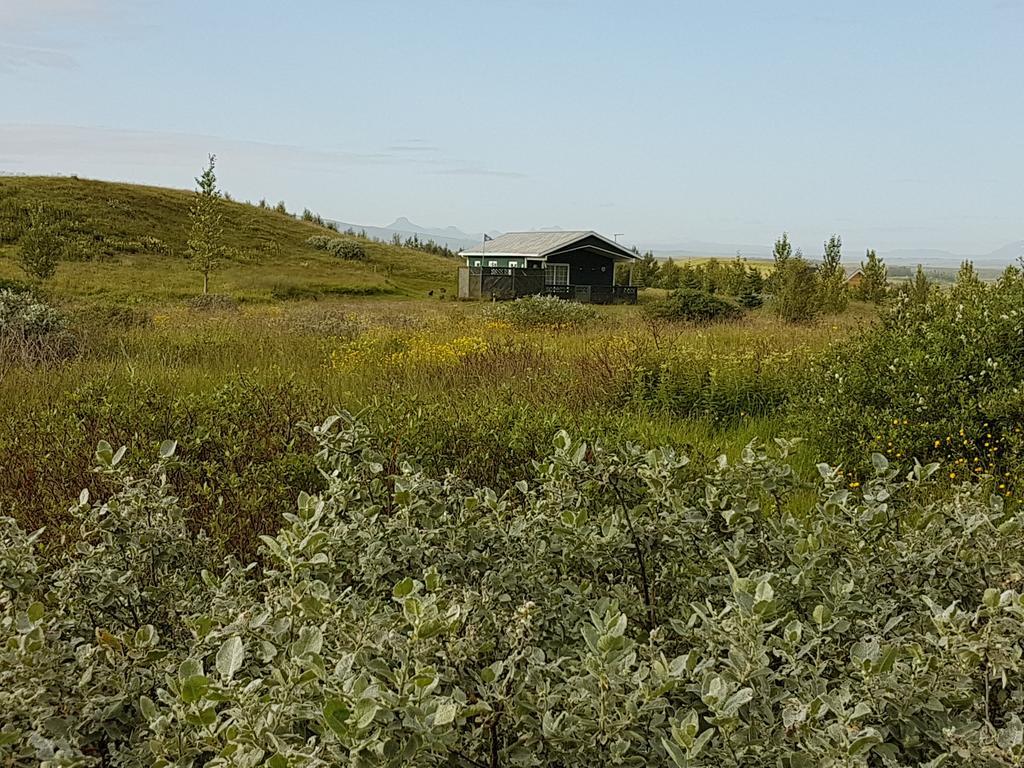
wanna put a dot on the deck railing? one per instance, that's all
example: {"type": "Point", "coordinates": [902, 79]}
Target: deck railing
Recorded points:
{"type": "Point", "coordinates": [514, 282]}
{"type": "Point", "coordinates": [594, 294]}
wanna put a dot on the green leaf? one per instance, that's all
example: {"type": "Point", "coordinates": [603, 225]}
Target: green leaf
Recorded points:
{"type": "Point", "coordinates": [879, 462]}
{"type": "Point", "coordinates": [230, 657]}
{"type": "Point", "coordinates": [432, 579]}
{"type": "Point", "coordinates": [167, 448]}
{"type": "Point", "coordinates": [676, 754]}
{"type": "Point", "coordinates": [733, 703]}
{"type": "Point", "coordinates": [403, 588]}
{"type": "Point", "coordinates": [991, 598]}
{"type": "Point", "coordinates": [336, 714]}
{"type": "Point", "coordinates": [189, 668]}
{"type": "Point", "coordinates": [9, 737]}
{"type": "Point", "coordinates": [445, 713]}
{"type": "Point", "coordinates": [104, 453]}
{"type": "Point", "coordinates": [561, 441]}
{"type": "Point", "coordinates": [764, 593]}
{"type": "Point", "coordinates": [194, 688]}
{"type": "Point", "coordinates": [864, 743]}
{"type": "Point", "coordinates": [36, 612]}
{"type": "Point", "coordinates": [147, 708]}
{"type": "Point", "coordinates": [366, 711]}
{"type": "Point", "coordinates": [310, 640]}
{"type": "Point", "coordinates": [701, 742]}
{"type": "Point", "coordinates": [618, 629]}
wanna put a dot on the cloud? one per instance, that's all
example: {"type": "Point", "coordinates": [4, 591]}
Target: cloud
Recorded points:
{"type": "Point", "coordinates": [413, 145]}
{"type": "Point", "coordinates": [24, 12]}
{"type": "Point", "coordinates": [44, 33]}
{"type": "Point", "coordinates": [478, 172]}
{"type": "Point", "coordinates": [49, 144]}
{"type": "Point", "coordinates": [113, 152]}
{"type": "Point", "coordinates": [413, 148]}
{"type": "Point", "coordinates": [13, 57]}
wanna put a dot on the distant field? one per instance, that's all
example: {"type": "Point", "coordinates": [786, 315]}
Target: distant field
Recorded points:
{"type": "Point", "coordinates": [764, 265]}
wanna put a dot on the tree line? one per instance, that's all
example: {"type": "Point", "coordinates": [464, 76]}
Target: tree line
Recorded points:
{"type": "Point", "coordinates": [796, 288]}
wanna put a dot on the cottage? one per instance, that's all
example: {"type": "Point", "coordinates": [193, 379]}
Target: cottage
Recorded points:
{"type": "Point", "coordinates": [570, 265]}
{"type": "Point", "coordinates": [854, 280]}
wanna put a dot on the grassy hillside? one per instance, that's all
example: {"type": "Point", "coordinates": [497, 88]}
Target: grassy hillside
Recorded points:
{"type": "Point", "coordinates": [131, 240]}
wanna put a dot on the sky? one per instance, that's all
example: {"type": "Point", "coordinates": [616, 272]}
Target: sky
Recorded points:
{"type": "Point", "coordinates": [897, 124]}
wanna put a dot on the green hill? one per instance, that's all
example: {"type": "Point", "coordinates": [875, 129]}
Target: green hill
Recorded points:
{"type": "Point", "coordinates": [128, 243]}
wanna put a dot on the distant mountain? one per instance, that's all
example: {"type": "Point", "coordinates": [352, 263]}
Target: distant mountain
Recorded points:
{"type": "Point", "coordinates": [1000, 257]}
{"type": "Point", "coordinates": [689, 249]}
{"type": "Point", "coordinates": [1008, 253]}
{"type": "Point", "coordinates": [453, 237]}
{"type": "Point", "coordinates": [930, 256]}
{"type": "Point", "coordinates": [457, 240]}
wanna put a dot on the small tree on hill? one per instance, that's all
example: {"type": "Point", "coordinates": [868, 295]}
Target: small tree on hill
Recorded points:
{"type": "Point", "coordinates": [751, 289]}
{"type": "Point", "coordinates": [713, 277]}
{"type": "Point", "coordinates": [874, 284]}
{"type": "Point", "coordinates": [795, 295]}
{"type": "Point", "coordinates": [783, 250]}
{"type": "Point", "coordinates": [669, 274]}
{"type": "Point", "coordinates": [40, 247]}
{"type": "Point", "coordinates": [645, 271]}
{"type": "Point", "coordinates": [691, 277]}
{"type": "Point", "coordinates": [967, 279]}
{"type": "Point", "coordinates": [754, 281]}
{"type": "Point", "coordinates": [832, 278]}
{"type": "Point", "coordinates": [205, 241]}
{"type": "Point", "coordinates": [735, 279]}
{"type": "Point", "coordinates": [918, 289]}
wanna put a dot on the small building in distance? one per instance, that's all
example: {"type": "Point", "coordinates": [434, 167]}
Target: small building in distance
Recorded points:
{"type": "Point", "coordinates": [853, 281]}
{"type": "Point", "coordinates": [578, 265]}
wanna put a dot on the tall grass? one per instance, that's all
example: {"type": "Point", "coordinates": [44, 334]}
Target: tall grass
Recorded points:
{"type": "Point", "coordinates": [439, 381]}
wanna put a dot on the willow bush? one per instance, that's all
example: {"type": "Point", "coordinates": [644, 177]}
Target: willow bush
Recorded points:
{"type": "Point", "coordinates": [619, 608]}
{"type": "Point", "coordinates": [938, 378]}
{"type": "Point", "coordinates": [31, 331]}
{"type": "Point", "coordinates": [542, 312]}
{"type": "Point", "coordinates": [695, 306]}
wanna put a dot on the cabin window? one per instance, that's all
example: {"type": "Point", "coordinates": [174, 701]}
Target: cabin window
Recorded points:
{"type": "Point", "coordinates": [492, 263]}
{"type": "Point", "coordinates": [557, 274]}
{"type": "Point", "coordinates": [513, 263]}
{"type": "Point", "coordinates": [476, 263]}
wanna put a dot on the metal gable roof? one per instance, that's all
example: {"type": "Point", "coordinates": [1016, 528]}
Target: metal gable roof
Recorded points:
{"type": "Point", "coordinates": [538, 244]}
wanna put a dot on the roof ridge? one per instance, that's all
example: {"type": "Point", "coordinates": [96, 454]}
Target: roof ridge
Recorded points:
{"type": "Point", "coordinates": [546, 232]}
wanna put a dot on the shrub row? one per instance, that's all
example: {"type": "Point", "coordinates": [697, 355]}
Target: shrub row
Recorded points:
{"type": "Point", "coordinates": [343, 248]}
{"type": "Point", "coordinates": [542, 312]}
{"type": "Point", "coordinates": [693, 306]}
{"type": "Point", "coordinates": [621, 607]}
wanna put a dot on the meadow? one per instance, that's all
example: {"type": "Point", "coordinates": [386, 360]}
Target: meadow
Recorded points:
{"type": "Point", "coordinates": [437, 379]}
{"type": "Point", "coordinates": [357, 522]}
